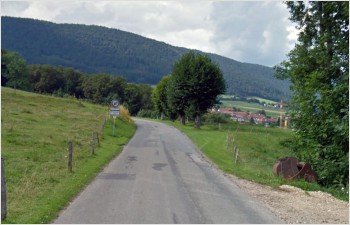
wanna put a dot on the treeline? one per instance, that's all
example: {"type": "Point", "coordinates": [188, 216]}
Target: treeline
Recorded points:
{"type": "Point", "coordinates": [238, 98]}
{"type": "Point", "coordinates": [63, 82]}
{"type": "Point", "coordinates": [95, 49]}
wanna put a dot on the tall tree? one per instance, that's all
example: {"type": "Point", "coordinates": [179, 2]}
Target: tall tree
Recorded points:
{"type": "Point", "coordinates": [160, 97]}
{"type": "Point", "coordinates": [179, 87]}
{"type": "Point", "coordinates": [14, 72]}
{"type": "Point", "coordinates": [195, 84]}
{"type": "Point", "coordinates": [318, 68]}
{"type": "Point", "coordinates": [206, 84]}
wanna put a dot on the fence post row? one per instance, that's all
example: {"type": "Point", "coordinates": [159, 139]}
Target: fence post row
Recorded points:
{"type": "Point", "coordinates": [70, 156]}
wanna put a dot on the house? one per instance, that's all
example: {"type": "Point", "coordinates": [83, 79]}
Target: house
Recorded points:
{"type": "Point", "coordinates": [228, 111]}
{"type": "Point", "coordinates": [246, 116]}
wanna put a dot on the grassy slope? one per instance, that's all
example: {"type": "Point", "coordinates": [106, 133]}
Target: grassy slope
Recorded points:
{"type": "Point", "coordinates": [34, 134]}
{"type": "Point", "coordinates": [259, 148]}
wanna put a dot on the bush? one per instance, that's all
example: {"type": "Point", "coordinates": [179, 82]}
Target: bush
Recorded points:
{"type": "Point", "coordinates": [125, 115]}
{"type": "Point", "coordinates": [146, 113]}
{"type": "Point", "coordinates": [216, 118]}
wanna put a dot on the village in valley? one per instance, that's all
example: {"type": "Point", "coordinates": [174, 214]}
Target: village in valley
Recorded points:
{"type": "Point", "coordinates": [253, 110]}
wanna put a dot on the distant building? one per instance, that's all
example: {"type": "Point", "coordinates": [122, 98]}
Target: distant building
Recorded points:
{"type": "Point", "coordinates": [246, 116]}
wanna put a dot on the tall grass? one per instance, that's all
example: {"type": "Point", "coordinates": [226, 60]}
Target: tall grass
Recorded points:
{"type": "Point", "coordinates": [34, 134]}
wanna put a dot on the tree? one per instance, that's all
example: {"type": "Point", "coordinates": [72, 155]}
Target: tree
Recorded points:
{"type": "Point", "coordinates": [14, 72]}
{"type": "Point", "coordinates": [318, 68]}
{"type": "Point", "coordinates": [262, 112]}
{"type": "Point", "coordinates": [159, 96]}
{"type": "Point", "coordinates": [46, 78]}
{"type": "Point", "coordinates": [206, 86]}
{"type": "Point", "coordinates": [72, 81]}
{"type": "Point", "coordinates": [137, 97]}
{"type": "Point", "coordinates": [103, 88]}
{"type": "Point", "coordinates": [196, 82]}
{"type": "Point", "coordinates": [178, 89]}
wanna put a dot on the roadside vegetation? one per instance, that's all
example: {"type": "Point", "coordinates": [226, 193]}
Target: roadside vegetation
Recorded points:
{"type": "Point", "coordinates": [35, 130]}
{"type": "Point", "coordinates": [259, 148]}
{"type": "Point", "coordinates": [318, 68]}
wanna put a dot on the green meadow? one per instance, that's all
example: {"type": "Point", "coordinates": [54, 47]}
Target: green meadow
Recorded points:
{"type": "Point", "coordinates": [35, 130]}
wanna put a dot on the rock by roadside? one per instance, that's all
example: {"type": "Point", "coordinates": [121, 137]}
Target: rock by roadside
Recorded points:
{"type": "Point", "coordinates": [294, 205]}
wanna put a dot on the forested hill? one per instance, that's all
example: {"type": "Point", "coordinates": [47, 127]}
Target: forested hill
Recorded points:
{"type": "Point", "coordinates": [96, 49]}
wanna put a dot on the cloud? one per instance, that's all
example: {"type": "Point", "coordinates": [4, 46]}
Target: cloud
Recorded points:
{"type": "Point", "coordinates": [12, 8]}
{"type": "Point", "coordinates": [253, 32]}
{"type": "Point", "coordinates": [177, 23]}
{"type": "Point", "coordinates": [256, 32]}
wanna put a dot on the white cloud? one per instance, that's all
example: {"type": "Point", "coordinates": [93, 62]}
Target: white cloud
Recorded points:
{"type": "Point", "coordinates": [256, 32]}
{"type": "Point", "coordinates": [253, 32]}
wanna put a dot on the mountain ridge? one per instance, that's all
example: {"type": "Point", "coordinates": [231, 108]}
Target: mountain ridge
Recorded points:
{"type": "Point", "coordinates": [99, 49]}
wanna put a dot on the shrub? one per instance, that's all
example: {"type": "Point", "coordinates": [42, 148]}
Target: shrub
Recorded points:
{"type": "Point", "coordinates": [145, 113]}
{"type": "Point", "coordinates": [216, 118]}
{"type": "Point", "coordinates": [125, 115]}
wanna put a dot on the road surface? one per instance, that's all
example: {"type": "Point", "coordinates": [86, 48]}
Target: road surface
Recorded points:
{"type": "Point", "coordinates": [160, 177]}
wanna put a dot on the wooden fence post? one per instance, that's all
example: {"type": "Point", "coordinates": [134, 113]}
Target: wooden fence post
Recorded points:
{"type": "Point", "coordinates": [228, 138]}
{"type": "Point", "coordinates": [3, 192]}
{"type": "Point", "coordinates": [236, 153]}
{"type": "Point", "coordinates": [93, 144]}
{"type": "Point", "coordinates": [98, 139]}
{"type": "Point", "coordinates": [102, 128]}
{"type": "Point", "coordinates": [70, 156]}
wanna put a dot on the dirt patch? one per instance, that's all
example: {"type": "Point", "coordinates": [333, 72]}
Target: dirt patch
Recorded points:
{"type": "Point", "coordinates": [294, 205]}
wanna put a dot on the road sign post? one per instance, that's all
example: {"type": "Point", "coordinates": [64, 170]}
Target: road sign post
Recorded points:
{"type": "Point", "coordinates": [113, 126]}
{"type": "Point", "coordinates": [114, 112]}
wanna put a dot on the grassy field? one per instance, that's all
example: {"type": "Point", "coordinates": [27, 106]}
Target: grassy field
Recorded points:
{"type": "Point", "coordinates": [34, 134]}
{"type": "Point", "coordinates": [265, 100]}
{"type": "Point", "coordinates": [252, 107]}
{"type": "Point", "coordinates": [259, 148]}
{"type": "Point", "coordinates": [253, 97]}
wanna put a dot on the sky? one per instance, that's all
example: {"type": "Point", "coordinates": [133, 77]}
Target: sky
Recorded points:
{"type": "Point", "coordinates": [247, 31]}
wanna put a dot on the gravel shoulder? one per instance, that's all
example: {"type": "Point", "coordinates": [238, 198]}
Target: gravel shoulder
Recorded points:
{"type": "Point", "coordinates": [296, 206]}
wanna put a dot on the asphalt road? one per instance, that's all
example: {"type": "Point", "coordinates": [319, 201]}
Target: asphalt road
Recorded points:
{"type": "Point", "coordinates": [161, 178]}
